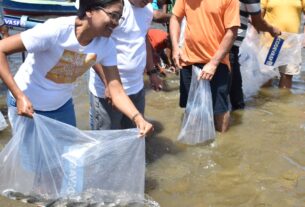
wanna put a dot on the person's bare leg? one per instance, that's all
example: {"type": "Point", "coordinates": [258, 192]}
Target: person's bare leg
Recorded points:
{"type": "Point", "coordinates": [285, 81]}
{"type": "Point", "coordinates": [222, 121]}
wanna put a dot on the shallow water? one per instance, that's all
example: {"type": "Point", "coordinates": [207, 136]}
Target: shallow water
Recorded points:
{"type": "Point", "coordinates": [259, 162]}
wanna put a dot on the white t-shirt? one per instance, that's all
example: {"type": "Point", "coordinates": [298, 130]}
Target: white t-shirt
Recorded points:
{"type": "Point", "coordinates": [56, 59]}
{"type": "Point", "coordinates": [130, 38]}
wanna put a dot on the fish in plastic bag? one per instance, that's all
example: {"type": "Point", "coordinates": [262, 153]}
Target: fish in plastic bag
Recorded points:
{"type": "Point", "coordinates": [198, 121]}
{"type": "Point", "coordinates": [54, 160]}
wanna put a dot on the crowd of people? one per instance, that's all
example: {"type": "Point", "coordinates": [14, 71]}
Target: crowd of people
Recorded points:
{"type": "Point", "coordinates": [120, 41]}
{"type": "Point", "coordinates": [140, 36]}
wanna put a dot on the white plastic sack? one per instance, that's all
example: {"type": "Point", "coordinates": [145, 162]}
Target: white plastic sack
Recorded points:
{"type": "Point", "coordinates": [3, 123]}
{"type": "Point", "coordinates": [253, 76]}
{"type": "Point", "coordinates": [253, 53]}
{"type": "Point", "coordinates": [55, 160]}
{"type": "Point", "coordinates": [198, 121]}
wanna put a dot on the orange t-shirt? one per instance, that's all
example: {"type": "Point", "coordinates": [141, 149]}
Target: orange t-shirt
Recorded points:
{"type": "Point", "coordinates": [207, 21]}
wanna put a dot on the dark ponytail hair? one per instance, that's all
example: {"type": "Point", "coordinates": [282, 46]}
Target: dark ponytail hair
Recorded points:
{"type": "Point", "coordinates": [90, 5]}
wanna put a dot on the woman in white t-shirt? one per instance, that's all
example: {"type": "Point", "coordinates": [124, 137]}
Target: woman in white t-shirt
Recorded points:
{"type": "Point", "coordinates": [59, 51]}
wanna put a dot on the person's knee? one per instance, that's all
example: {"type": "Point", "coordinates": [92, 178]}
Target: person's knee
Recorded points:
{"type": "Point", "coordinates": [222, 121]}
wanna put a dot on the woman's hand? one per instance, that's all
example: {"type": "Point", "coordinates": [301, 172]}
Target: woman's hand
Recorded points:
{"type": "Point", "coordinates": [24, 106]}
{"type": "Point", "coordinates": [144, 127]}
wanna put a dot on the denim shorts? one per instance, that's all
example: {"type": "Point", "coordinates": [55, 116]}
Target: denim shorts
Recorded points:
{"type": "Point", "coordinates": [220, 85]}
{"type": "Point", "coordinates": [105, 116]}
{"type": "Point", "coordinates": [65, 113]}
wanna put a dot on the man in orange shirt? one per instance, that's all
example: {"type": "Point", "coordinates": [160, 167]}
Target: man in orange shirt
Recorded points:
{"type": "Point", "coordinates": [211, 30]}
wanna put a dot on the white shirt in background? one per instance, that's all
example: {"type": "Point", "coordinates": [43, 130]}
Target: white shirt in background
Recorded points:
{"type": "Point", "coordinates": [130, 38]}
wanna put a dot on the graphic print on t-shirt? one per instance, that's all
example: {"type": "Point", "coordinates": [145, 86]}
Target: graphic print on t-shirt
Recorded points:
{"type": "Point", "coordinates": [70, 66]}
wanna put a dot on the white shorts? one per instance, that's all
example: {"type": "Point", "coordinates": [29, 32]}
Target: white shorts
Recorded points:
{"type": "Point", "coordinates": [290, 69]}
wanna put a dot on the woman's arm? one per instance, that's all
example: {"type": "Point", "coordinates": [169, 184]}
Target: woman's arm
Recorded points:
{"type": "Point", "coordinates": [99, 67]}
{"type": "Point", "coordinates": [10, 45]}
{"type": "Point", "coordinates": [121, 101]}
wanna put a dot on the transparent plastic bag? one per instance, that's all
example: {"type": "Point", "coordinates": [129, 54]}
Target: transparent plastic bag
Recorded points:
{"type": "Point", "coordinates": [198, 121]}
{"type": "Point", "coordinates": [3, 123]}
{"type": "Point", "coordinates": [253, 53]}
{"type": "Point", "coordinates": [290, 52]}
{"type": "Point", "coordinates": [55, 160]}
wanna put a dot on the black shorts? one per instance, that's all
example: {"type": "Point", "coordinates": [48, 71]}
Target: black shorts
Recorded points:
{"type": "Point", "coordinates": [220, 85]}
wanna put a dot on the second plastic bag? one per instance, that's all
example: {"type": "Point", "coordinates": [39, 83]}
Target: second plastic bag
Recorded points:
{"type": "Point", "coordinates": [55, 160]}
{"type": "Point", "coordinates": [198, 121]}
{"type": "Point", "coordinates": [254, 51]}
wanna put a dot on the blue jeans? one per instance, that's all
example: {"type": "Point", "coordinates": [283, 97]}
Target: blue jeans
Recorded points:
{"type": "Point", "coordinates": [65, 113]}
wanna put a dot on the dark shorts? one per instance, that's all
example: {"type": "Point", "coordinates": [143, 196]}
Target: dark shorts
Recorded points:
{"type": "Point", "coordinates": [220, 85]}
